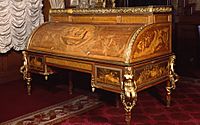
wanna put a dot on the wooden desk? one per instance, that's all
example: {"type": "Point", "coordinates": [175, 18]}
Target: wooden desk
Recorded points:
{"type": "Point", "coordinates": [125, 50]}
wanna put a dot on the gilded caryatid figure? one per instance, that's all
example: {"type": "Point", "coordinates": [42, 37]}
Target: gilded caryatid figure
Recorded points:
{"type": "Point", "coordinates": [129, 93]}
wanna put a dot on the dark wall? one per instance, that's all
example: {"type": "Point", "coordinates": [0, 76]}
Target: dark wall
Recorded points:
{"type": "Point", "coordinates": [10, 64]}
{"type": "Point", "coordinates": [131, 3]}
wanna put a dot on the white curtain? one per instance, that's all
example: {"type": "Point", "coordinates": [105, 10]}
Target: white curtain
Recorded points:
{"type": "Point", "coordinates": [57, 4]}
{"type": "Point", "coordinates": [18, 18]}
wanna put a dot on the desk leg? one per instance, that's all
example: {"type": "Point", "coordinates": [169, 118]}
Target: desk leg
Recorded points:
{"type": "Point", "coordinates": [128, 94]}
{"type": "Point", "coordinates": [168, 95]}
{"type": "Point", "coordinates": [25, 72]}
{"type": "Point", "coordinates": [92, 83]}
{"type": "Point", "coordinates": [173, 78]}
{"type": "Point", "coordinates": [28, 78]}
{"type": "Point", "coordinates": [70, 83]}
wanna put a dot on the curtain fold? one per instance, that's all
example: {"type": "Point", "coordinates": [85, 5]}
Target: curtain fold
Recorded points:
{"type": "Point", "coordinates": [18, 18]}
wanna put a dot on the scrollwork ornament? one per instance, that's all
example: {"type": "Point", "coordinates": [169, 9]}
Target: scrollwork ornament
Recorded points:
{"type": "Point", "coordinates": [172, 75]}
{"type": "Point", "coordinates": [24, 71]}
{"type": "Point", "coordinates": [173, 78]}
{"type": "Point", "coordinates": [24, 68]}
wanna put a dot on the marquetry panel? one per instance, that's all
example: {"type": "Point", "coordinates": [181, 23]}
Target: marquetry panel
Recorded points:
{"type": "Point", "coordinates": [90, 41]}
{"type": "Point", "coordinates": [108, 77]}
{"type": "Point", "coordinates": [36, 62]}
{"type": "Point", "coordinates": [153, 40]}
{"type": "Point", "coordinates": [148, 74]}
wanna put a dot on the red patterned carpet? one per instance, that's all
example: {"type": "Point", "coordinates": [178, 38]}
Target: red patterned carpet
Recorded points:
{"type": "Point", "coordinates": [150, 108]}
{"type": "Point", "coordinates": [57, 113]}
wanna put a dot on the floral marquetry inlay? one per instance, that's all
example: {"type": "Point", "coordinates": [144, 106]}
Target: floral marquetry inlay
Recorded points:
{"type": "Point", "coordinates": [151, 72]}
{"type": "Point", "coordinates": [36, 62]}
{"type": "Point", "coordinates": [108, 76]}
{"type": "Point", "coordinates": [97, 41]}
{"type": "Point", "coordinates": [155, 40]}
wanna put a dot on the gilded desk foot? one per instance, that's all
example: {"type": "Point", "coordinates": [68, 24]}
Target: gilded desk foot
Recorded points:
{"type": "Point", "coordinates": [168, 95]}
{"type": "Point", "coordinates": [46, 77]}
{"type": "Point", "coordinates": [173, 78]}
{"type": "Point", "coordinates": [128, 94]}
{"type": "Point", "coordinates": [92, 83]}
{"type": "Point", "coordinates": [46, 72]}
{"type": "Point", "coordinates": [28, 84]}
{"type": "Point", "coordinates": [128, 118]}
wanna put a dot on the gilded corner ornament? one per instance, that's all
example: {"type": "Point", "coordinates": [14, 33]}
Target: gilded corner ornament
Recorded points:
{"type": "Point", "coordinates": [24, 68]}
{"type": "Point", "coordinates": [24, 71]}
{"type": "Point", "coordinates": [129, 88]}
{"type": "Point", "coordinates": [129, 93]}
{"type": "Point", "coordinates": [173, 78]}
{"type": "Point", "coordinates": [172, 75]}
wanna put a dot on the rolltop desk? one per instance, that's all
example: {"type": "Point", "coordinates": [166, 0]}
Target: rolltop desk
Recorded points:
{"type": "Point", "coordinates": [125, 50]}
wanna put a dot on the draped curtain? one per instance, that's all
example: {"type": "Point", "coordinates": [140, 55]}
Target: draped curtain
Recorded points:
{"type": "Point", "coordinates": [18, 18]}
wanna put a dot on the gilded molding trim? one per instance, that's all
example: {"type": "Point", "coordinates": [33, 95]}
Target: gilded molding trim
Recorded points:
{"type": "Point", "coordinates": [129, 10]}
{"type": "Point", "coordinates": [127, 54]}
